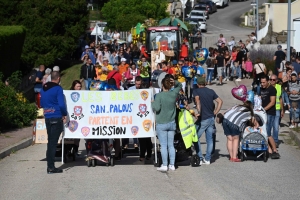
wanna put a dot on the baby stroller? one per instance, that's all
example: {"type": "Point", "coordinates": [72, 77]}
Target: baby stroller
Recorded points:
{"type": "Point", "coordinates": [254, 143]}
{"type": "Point", "coordinates": [101, 150]}
{"type": "Point", "coordinates": [182, 153]}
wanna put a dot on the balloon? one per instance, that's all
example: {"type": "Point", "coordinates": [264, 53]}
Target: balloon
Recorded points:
{"type": "Point", "coordinates": [250, 96]}
{"type": "Point", "coordinates": [187, 73]}
{"type": "Point", "coordinates": [111, 87]}
{"type": "Point", "coordinates": [201, 55]}
{"type": "Point", "coordinates": [102, 86]}
{"type": "Point", "coordinates": [240, 92]}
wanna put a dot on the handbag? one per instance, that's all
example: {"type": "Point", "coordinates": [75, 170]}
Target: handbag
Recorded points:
{"type": "Point", "coordinates": [280, 74]}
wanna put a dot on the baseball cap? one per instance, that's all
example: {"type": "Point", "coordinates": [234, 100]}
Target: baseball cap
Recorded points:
{"type": "Point", "coordinates": [174, 62]}
{"type": "Point", "coordinates": [86, 46]}
{"type": "Point", "coordinates": [123, 59]}
{"type": "Point", "coordinates": [240, 41]}
{"type": "Point", "coordinates": [105, 59]}
{"type": "Point", "coordinates": [200, 80]}
{"type": "Point", "coordinates": [279, 47]}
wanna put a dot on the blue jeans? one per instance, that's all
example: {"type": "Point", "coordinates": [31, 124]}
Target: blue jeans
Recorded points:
{"type": "Point", "coordinates": [207, 126]}
{"type": "Point", "coordinates": [165, 133]}
{"type": "Point", "coordinates": [237, 71]}
{"type": "Point", "coordinates": [273, 122]}
{"type": "Point", "coordinates": [285, 98]}
{"type": "Point", "coordinates": [54, 128]}
{"type": "Point", "coordinates": [87, 83]}
{"type": "Point", "coordinates": [209, 75]}
{"type": "Point", "coordinates": [258, 89]}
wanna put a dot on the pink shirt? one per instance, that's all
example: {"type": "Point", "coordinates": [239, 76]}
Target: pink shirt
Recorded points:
{"type": "Point", "coordinates": [248, 66]}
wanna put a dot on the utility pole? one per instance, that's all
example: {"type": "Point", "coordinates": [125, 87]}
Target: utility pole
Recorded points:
{"type": "Point", "coordinates": [257, 20]}
{"type": "Point", "coordinates": [288, 50]}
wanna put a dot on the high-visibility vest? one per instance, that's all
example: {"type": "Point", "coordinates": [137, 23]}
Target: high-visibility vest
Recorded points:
{"type": "Point", "coordinates": [187, 128]}
{"type": "Point", "coordinates": [278, 95]}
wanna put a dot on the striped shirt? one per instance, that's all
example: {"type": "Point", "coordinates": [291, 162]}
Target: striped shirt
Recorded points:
{"type": "Point", "coordinates": [236, 115]}
{"type": "Point", "coordinates": [294, 86]}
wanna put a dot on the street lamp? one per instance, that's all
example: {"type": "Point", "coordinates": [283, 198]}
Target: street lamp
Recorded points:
{"type": "Point", "coordinates": [288, 49]}
{"type": "Point", "coordinates": [255, 9]}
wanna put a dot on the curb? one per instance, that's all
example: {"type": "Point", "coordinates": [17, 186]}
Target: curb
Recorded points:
{"type": "Point", "coordinates": [295, 137]}
{"type": "Point", "coordinates": [15, 147]}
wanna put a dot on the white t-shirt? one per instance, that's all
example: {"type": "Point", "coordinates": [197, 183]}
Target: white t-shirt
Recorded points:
{"type": "Point", "coordinates": [116, 36]}
{"type": "Point", "coordinates": [260, 67]}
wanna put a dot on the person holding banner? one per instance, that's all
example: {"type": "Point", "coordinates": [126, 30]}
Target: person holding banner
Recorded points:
{"type": "Point", "coordinates": [55, 112]}
{"type": "Point", "coordinates": [164, 105]}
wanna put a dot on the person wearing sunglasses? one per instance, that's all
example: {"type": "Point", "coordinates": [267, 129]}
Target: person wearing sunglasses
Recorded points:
{"type": "Point", "coordinates": [278, 107]}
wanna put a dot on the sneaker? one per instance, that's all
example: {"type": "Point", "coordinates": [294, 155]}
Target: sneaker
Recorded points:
{"type": "Point", "coordinates": [287, 112]}
{"type": "Point", "coordinates": [238, 79]}
{"type": "Point", "coordinates": [292, 126]}
{"type": "Point", "coordinates": [171, 167]}
{"type": "Point", "coordinates": [194, 106]}
{"type": "Point", "coordinates": [162, 168]}
{"type": "Point", "coordinates": [275, 155]}
{"type": "Point", "coordinates": [201, 162]}
{"type": "Point", "coordinates": [205, 162]}
{"type": "Point", "coordinates": [277, 145]}
{"type": "Point", "coordinates": [53, 171]}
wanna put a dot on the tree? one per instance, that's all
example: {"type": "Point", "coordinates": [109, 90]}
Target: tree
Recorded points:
{"type": "Point", "coordinates": [123, 15]}
{"type": "Point", "coordinates": [52, 27]}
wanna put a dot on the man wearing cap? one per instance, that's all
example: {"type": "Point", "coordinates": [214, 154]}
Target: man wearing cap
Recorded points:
{"type": "Point", "coordinates": [115, 74]}
{"type": "Point", "coordinates": [206, 108]}
{"type": "Point", "coordinates": [123, 67]}
{"type": "Point", "coordinates": [278, 57]}
{"type": "Point", "coordinates": [89, 53]}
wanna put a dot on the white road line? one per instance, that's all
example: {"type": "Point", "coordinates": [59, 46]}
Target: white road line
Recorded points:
{"type": "Point", "coordinates": [218, 27]}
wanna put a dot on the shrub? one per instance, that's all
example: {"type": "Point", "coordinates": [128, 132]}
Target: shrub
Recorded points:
{"type": "Point", "coordinates": [266, 55]}
{"type": "Point", "coordinates": [16, 110]}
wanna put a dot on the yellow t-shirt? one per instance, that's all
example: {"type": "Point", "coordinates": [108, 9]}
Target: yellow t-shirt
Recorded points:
{"type": "Point", "coordinates": [103, 75]}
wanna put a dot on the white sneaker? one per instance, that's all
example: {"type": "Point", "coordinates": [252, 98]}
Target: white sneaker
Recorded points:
{"type": "Point", "coordinates": [171, 167]}
{"type": "Point", "coordinates": [201, 163]}
{"type": "Point", "coordinates": [292, 126]}
{"type": "Point", "coordinates": [205, 162]}
{"type": "Point", "coordinates": [238, 79]}
{"type": "Point", "coordinates": [162, 168]}
{"type": "Point", "coordinates": [287, 112]}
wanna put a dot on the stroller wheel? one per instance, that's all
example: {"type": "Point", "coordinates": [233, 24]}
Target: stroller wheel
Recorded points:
{"type": "Point", "coordinates": [195, 161]}
{"type": "Point", "coordinates": [266, 156]}
{"type": "Point", "coordinates": [89, 163]}
{"type": "Point", "coordinates": [112, 161]}
{"type": "Point", "coordinates": [242, 156]}
{"type": "Point", "coordinates": [159, 160]}
{"type": "Point", "coordinates": [94, 162]}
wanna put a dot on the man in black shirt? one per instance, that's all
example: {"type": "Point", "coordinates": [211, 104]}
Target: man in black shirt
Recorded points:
{"type": "Point", "coordinates": [268, 97]}
{"type": "Point", "coordinates": [278, 57]}
{"type": "Point", "coordinates": [220, 66]}
{"type": "Point", "coordinates": [239, 60]}
{"type": "Point", "coordinates": [223, 48]}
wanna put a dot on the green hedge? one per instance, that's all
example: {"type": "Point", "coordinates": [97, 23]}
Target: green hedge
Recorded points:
{"type": "Point", "coordinates": [11, 44]}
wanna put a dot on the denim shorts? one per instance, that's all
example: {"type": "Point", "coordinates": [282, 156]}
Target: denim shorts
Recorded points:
{"type": "Point", "coordinates": [230, 128]}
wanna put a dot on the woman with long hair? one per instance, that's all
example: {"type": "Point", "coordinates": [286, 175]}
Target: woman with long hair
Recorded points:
{"type": "Point", "coordinates": [164, 105]}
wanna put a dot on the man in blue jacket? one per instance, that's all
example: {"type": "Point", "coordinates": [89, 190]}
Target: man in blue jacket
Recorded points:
{"type": "Point", "coordinates": [55, 112]}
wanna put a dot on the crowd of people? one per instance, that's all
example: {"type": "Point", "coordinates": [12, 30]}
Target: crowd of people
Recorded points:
{"type": "Point", "coordinates": [127, 68]}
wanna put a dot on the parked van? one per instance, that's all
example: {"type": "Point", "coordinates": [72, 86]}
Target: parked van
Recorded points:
{"type": "Point", "coordinates": [195, 14]}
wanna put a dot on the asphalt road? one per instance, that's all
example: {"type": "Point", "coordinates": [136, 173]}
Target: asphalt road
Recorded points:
{"type": "Point", "coordinates": [227, 19]}
{"type": "Point", "coordinates": [23, 175]}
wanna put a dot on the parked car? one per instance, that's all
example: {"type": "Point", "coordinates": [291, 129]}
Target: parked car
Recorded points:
{"type": "Point", "coordinates": [221, 3]}
{"type": "Point", "coordinates": [210, 6]}
{"type": "Point", "coordinates": [198, 14]}
{"type": "Point", "coordinates": [200, 23]}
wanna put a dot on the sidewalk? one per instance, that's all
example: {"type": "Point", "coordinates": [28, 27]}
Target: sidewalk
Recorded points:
{"type": "Point", "coordinates": [14, 140]}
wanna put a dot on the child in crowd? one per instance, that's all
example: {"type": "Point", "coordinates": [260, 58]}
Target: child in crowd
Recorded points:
{"type": "Point", "coordinates": [182, 101]}
{"type": "Point", "coordinates": [254, 126]}
{"type": "Point", "coordinates": [294, 114]}
{"type": "Point", "coordinates": [248, 67]}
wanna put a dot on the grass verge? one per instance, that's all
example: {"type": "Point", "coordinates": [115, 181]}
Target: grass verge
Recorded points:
{"type": "Point", "coordinates": [69, 75]}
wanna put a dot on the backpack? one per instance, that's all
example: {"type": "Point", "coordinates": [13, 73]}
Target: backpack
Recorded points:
{"type": "Point", "coordinates": [32, 76]}
{"type": "Point", "coordinates": [208, 62]}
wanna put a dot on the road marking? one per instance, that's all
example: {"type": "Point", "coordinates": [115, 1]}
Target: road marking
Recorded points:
{"type": "Point", "coordinates": [218, 27]}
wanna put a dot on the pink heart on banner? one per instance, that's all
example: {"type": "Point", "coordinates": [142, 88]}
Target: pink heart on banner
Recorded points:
{"type": "Point", "coordinates": [85, 131]}
{"type": "Point", "coordinates": [240, 92]}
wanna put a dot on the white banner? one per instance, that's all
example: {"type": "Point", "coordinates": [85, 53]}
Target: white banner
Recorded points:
{"type": "Point", "coordinates": [109, 114]}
